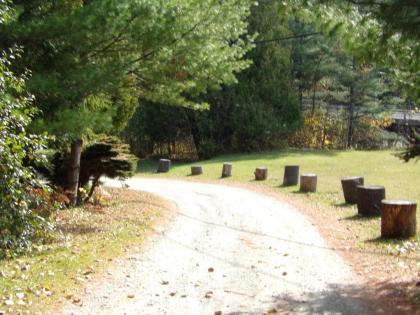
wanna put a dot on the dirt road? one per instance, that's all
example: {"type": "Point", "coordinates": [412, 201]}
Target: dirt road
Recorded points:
{"type": "Point", "coordinates": [229, 250]}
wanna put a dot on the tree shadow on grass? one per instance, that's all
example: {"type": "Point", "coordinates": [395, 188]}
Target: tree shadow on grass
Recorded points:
{"type": "Point", "coordinates": [79, 229]}
{"type": "Point", "coordinates": [149, 166]}
{"type": "Point", "coordinates": [359, 218]}
{"type": "Point", "coordinates": [344, 205]}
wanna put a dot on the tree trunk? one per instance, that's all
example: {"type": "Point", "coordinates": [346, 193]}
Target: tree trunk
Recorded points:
{"type": "Point", "coordinates": [291, 175]}
{"type": "Point", "coordinates": [313, 100]}
{"type": "Point", "coordinates": [398, 219]}
{"type": "Point", "coordinates": [95, 183]}
{"type": "Point", "coordinates": [349, 185]}
{"type": "Point", "coordinates": [164, 166]}
{"type": "Point", "coordinates": [261, 173]}
{"type": "Point", "coordinates": [196, 170]}
{"type": "Point", "coordinates": [74, 171]}
{"type": "Point", "coordinates": [308, 182]}
{"type": "Point", "coordinates": [227, 170]}
{"type": "Point", "coordinates": [369, 200]}
{"type": "Point", "coordinates": [350, 126]}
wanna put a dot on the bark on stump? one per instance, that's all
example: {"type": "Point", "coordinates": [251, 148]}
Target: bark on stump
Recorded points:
{"type": "Point", "coordinates": [398, 218]}
{"type": "Point", "coordinates": [227, 170]}
{"type": "Point", "coordinates": [261, 173]}
{"type": "Point", "coordinates": [196, 170]}
{"type": "Point", "coordinates": [308, 182]}
{"type": "Point", "coordinates": [291, 175]}
{"type": "Point", "coordinates": [164, 166]}
{"type": "Point", "coordinates": [369, 200]}
{"type": "Point", "coordinates": [349, 185]}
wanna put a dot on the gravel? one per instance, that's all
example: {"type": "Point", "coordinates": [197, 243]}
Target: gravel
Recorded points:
{"type": "Point", "coordinates": [227, 251]}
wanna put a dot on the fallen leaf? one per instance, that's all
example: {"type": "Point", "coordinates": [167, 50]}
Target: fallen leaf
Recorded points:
{"type": "Point", "coordinates": [164, 282]}
{"type": "Point", "coordinates": [208, 295]}
{"type": "Point", "coordinates": [172, 293]}
{"type": "Point", "coordinates": [218, 313]}
{"type": "Point", "coordinates": [131, 296]}
{"type": "Point", "coordinates": [184, 296]}
{"type": "Point", "coordinates": [9, 302]}
{"type": "Point", "coordinates": [284, 273]}
{"type": "Point", "coordinates": [20, 295]}
{"type": "Point", "coordinates": [211, 269]}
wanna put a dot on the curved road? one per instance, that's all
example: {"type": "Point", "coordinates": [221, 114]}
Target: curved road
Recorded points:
{"type": "Point", "coordinates": [228, 250]}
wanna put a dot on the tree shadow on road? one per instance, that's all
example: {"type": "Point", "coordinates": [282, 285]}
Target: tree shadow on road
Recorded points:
{"type": "Point", "coordinates": [351, 299]}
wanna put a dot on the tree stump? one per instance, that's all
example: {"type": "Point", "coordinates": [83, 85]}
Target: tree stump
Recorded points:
{"type": "Point", "coordinates": [164, 166]}
{"type": "Point", "coordinates": [349, 185]}
{"type": "Point", "coordinates": [369, 199]}
{"type": "Point", "coordinates": [308, 182]}
{"type": "Point", "coordinates": [398, 218]}
{"type": "Point", "coordinates": [196, 170]}
{"type": "Point", "coordinates": [227, 170]}
{"type": "Point", "coordinates": [291, 175]}
{"type": "Point", "coordinates": [261, 173]}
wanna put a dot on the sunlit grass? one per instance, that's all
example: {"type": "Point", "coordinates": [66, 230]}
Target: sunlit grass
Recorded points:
{"type": "Point", "coordinates": [401, 180]}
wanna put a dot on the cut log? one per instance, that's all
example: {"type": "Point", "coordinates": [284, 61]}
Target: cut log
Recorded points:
{"type": "Point", "coordinates": [308, 182]}
{"type": "Point", "coordinates": [261, 173]}
{"type": "Point", "coordinates": [398, 218]}
{"type": "Point", "coordinates": [164, 166]}
{"type": "Point", "coordinates": [227, 170]}
{"type": "Point", "coordinates": [349, 185]}
{"type": "Point", "coordinates": [291, 175]}
{"type": "Point", "coordinates": [369, 200]}
{"type": "Point", "coordinates": [196, 170]}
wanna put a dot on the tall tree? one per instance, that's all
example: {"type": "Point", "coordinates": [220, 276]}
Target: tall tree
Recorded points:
{"type": "Point", "coordinates": [91, 60]}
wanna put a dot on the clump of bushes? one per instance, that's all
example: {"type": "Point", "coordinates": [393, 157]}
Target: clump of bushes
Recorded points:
{"type": "Point", "coordinates": [329, 131]}
{"type": "Point", "coordinates": [24, 214]}
{"type": "Point", "coordinates": [107, 156]}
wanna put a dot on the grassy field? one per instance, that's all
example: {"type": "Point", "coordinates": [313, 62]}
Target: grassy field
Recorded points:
{"type": "Point", "coordinates": [401, 180]}
{"type": "Point", "coordinates": [354, 237]}
{"type": "Point", "coordinates": [88, 241]}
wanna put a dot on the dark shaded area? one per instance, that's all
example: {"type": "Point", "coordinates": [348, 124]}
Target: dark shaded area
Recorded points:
{"type": "Point", "coordinates": [360, 218]}
{"type": "Point", "coordinates": [363, 299]}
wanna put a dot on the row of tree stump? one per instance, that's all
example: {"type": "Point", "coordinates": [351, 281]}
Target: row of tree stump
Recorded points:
{"type": "Point", "coordinates": [398, 217]}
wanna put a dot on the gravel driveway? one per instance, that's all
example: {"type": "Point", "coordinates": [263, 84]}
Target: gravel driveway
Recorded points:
{"type": "Point", "coordinates": [229, 250]}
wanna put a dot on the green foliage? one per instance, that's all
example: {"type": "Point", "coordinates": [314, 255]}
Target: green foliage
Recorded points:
{"type": "Point", "coordinates": [20, 188]}
{"type": "Point", "coordinates": [251, 115]}
{"type": "Point", "coordinates": [412, 152]}
{"type": "Point", "coordinates": [99, 56]}
{"type": "Point", "coordinates": [384, 33]}
{"type": "Point", "coordinates": [106, 156]}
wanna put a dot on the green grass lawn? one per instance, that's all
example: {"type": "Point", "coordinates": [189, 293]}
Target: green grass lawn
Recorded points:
{"type": "Point", "coordinates": [356, 238]}
{"type": "Point", "coordinates": [401, 180]}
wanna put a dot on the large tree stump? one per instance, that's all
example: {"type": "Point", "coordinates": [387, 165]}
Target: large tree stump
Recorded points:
{"type": "Point", "coordinates": [291, 175]}
{"type": "Point", "coordinates": [164, 166]}
{"type": "Point", "coordinates": [196, 170]}
{"type": "Point", "coordinates": [308, 182]}
{"type": "Point", "coordinates": [227, 170]}
{"type": "Point", "coordinates": [369, 199]}
{"type": "Point", "coordinates": [349, 185]}
{"type": "Point", "coordinates": [261, 173]}
{"type": "Point", "coordinates": [398, 218]}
